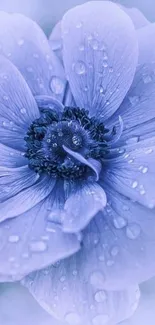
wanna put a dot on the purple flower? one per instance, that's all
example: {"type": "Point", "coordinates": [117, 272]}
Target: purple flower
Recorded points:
{"type": "Point", "coordinates": [77, 145]}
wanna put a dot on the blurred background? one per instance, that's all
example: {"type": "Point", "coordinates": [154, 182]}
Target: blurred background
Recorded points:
{"type": "Point", "coordinates": [48, 12]}
{"type": "Point", "coordinates": [12, 297]}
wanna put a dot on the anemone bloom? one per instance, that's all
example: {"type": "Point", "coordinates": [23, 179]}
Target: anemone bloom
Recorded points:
{"type": "Point", "coordinates": [77, 148]}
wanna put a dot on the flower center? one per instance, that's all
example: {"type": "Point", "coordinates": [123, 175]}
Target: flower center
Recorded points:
{"type": "Point", "coordinates": [65, 144]}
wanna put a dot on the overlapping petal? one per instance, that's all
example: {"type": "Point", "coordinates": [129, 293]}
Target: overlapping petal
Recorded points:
{"type": "Point", "coordinates": [138, 106]}
{"type": "Point", "coordinates": [137, 17]}
{"type": "Point", "coordinates": [133, 174]}
{"type": "Point", "coordinates": [14, 180]}
{"type": "Point", "coordinates": [27, 198]}
{"type": "Point", "coordinates": [65, 292]}
{"type": "Point", "coordinates": [25, 44]}
{"type": "Point", "coordinates": [11, 157]}
{"type": "Point", "coordinates": [100, 55]}
{"type": "Point", "coordinates": [30, 242]}
{"type": "Point", "coordinates": [17, 106]}
{"type": "Point", "coordinates": [73, 204]}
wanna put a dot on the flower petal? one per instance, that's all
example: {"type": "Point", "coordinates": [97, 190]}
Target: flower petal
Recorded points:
{"type": "Point", "coordinates": [26, 199]}
{"type": "Point", "coordinates": [11, 158]}
{"type": "Point", "coordinates": [14, 180]}
{"type": "Point", "coordinates": [133, 174]}
{"type": "Point", "coordinates": [82, 205]}
{"type": "Point", "coordinates": [118, 248]}
{"type": "Point", "coordinates": [137, 17]}
{"type": "Point", "coordinates": [138, 106]}
{"type": "Point", "coordinates": [128, 240]}
{"type": "Point", "coordinates": [64, 291]}
{"type": "Point", "coordinates": [100, 55]}
{"type": "Point", "coordinates": [29, 242]}
{"type": "Point", "coordinates": [55, 40]}
{"type": "Point", "coordinates": [17, 106]}
{"type": "Point", "coordinates": [25, 44]}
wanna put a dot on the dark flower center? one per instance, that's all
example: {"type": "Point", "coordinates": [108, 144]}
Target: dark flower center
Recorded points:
{"type": "Point", "coordinates": [54, 140]}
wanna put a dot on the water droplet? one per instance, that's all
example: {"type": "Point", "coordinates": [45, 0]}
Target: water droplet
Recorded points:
{"type": "Point", "coordinates": [134, 100]}
{"type": "Point", "coordinates": [94, 44]}
{"type": "Point", "coordinates": [79, 67]}
{"type": "Point", "coordinates": [20, 42]}
{"type": "Point", "coordinates": [38, 246]}
{"type": "Point", "coordinates": [132, 140]}
{"type": "Point", "coordinates": [147, 79]}
{"type": "Point", "coordinates": [73, 318]}
{"type": "Point", "coordinates": [54, 145]}
{"type": "Point", "coordinates": [75, 272]}
{"type": "Point", "coordinates": [63, 278]}
{"type": "Point", "coordinates": [23, 110]}
{"type": "Point", "coordinates": [101, 89]}
{"type": "Point", "coordinates": [79, 24]}
{"type": "Point", "coordinates": [148, 151]}
{"type": "Point", "coordinates": [5, 97]}
{"type": "Point", "coordinates": [100, 296]}
{"type": "Point", "coordinates": [76, 140]}
{"type": "Point", "coordinates": [105, 64]}
{"type": "Point", "coordinates": [13, 239]}
{"type": "Point", "coordinates": [120, 222]}
{"type": "Point", "coordinates": [130, 161]}
{"type": "Point", "coordinates": [100, 319]}
{"type": "Point", "coordinates": [142, 191]}
{"type": "Point", "coordinates": [57, 85]}
{"type": "Point", "coordinates": [97, 279]}
{"type": "Point", "coordinates": [81, 47]}
{"type": "Point", "coordinates": [110, 262]}
{"type": "Point", "coordinates": [125, 207]}
{"type": "Point", "coordinates": [134, 184]}
{"type": "Point", "coordinates": [133, 231]}
{"type": "Point", "coordinates": [86, 88]}
{"type": "Point", "coordinates": [114, 251]}
{"type": "Point", "coordinates": [145, 170]}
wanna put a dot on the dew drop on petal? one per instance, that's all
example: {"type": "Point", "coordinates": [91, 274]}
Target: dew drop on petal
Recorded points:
{"type": "Point", "coordinates": [133, 231]}
{"type": "Point", "coordinates": [97, 279]}
{"type": "Point", "coordinates": [101, 319]}
{"type": "Point", "coordinates": [23, 110]}
{"type": "Point", "coordinates": [120, 222]}
{"type": "Point", "coordinates": [13, 239]}
{"type": "Point", "coordinates": [114, 251]}
{"type": "Point", "coordinates": [81, 47]}
{"type": "Point", "coordinates": [63, 278]}
{"type": "Point", "coordinates": [134, 100]}
{"type": "Point", "coordinates": [132, 140]}
{"type": "Point", "coordinates": [79, 67]}
{"type": "Point", "coordinates": [105, 64]}
{"type": "Point", "coordinates": [145, 170]}
{"type": "Point", "coordinates": [38, 246]}
{"type": "Point", "coordinates": [147, 79]}
{"type": "Point", "coordinates": [94, 44]}
{"type": "Point", "coordinates": [79, 24]}
{"type": "Point", "coordinates": [20, 42]}
{"type": "Point", "coordinates": [73, 318]}
{"type": "Point", "coordinates": [100, 296]}
{"type": "Point", "coordinates": [134, 184]}
{"type": "Point", "coordinates": [57, 85]}
{"type": "Point", "coordinates": [148, 151]}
